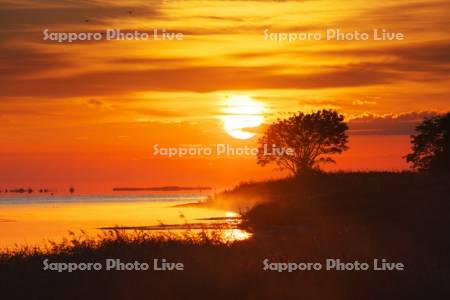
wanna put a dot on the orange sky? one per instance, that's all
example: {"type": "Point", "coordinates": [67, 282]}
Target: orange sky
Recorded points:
{"type": "Point", "coordinates": [88, 113]}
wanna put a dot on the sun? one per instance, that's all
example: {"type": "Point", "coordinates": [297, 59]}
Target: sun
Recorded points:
{"type": "Point", "coordinates": [242, 112]}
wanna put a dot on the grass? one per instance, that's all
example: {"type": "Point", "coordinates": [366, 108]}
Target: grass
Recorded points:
{"type": "Point", "coordinates": [352, 216]}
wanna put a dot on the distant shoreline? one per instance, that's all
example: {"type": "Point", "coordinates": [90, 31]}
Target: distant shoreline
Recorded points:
{"type": "Point", "coordinates": [162, 188]}
{"type": "Point", "coordinates": [194, 204]}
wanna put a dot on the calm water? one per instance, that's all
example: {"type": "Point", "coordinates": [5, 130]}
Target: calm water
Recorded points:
{"type": "Point", "coordinates": [33, 220]}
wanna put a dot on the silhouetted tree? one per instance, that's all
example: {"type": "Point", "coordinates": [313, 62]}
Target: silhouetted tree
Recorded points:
{"type": "Point", "coordinates": [312, 137]}
{"type": "Point", "coordinates": [431, 145]}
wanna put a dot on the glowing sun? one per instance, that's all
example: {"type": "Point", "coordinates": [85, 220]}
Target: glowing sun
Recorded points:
{"type": "Point", "coordinates": [242, 112]}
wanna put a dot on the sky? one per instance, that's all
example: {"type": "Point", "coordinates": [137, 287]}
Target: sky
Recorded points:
{"type": "Point", "coordinates": [88, 113]}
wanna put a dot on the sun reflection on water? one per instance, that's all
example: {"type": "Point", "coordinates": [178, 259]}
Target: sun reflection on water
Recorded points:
{"type": "Point", "coordinates": [36, 223]}
{"type": "Point", "coordinates": [234, 235]}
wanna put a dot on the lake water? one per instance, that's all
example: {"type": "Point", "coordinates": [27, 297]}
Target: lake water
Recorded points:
{"type": "Point", "coordinates": [34, 220]}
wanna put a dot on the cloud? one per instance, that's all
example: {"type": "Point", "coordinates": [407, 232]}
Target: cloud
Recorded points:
{"type": "Point", "coordinates": [196, 79]}
{"type": "Point", "coordinates": [417, 15]}
{"type": "Point", "coordinates": [150, 112]}
{"type": "Point", "coordinates": [26, 61]}
{"type": "Point", "coordinates": [415, 62]}
{"type": "Point", "coordinates": [432, 56]}
{"type": "Point", "coordinates": [53, 13]}
{"type": "Point", "coordinates": [400, 124]}
{"type": "Point", "coordinates": [363, 102]}
{"type": "Point", "coordinates": [95, 103]}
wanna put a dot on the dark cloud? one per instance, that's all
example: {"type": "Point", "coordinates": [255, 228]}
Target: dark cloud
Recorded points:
{"type": "Point", "coordinates": [401, 124]}
{"type": "Point", "coordinates": [196, 79]}
{"type": "Point", "coordinates": [412, 61]}
{"type": "Point", "coordinates": [19, 62]}
{"type": "Point", "coordinates": [95, 102]}
{"type": "Point", "coordinates": [409, 17]}
{"type": "Point", "coordinates": [430, 60]}
{"type": "Point", "coordinates": [61, 13]}
{"type": "Point", "coordinates": [419, 11]}
{"type": "Point", "coordinates": [432, 52]}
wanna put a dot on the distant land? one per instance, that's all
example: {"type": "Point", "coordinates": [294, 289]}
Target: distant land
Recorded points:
{"type": "Point", "coordinates": [25, 190]}
{"type": "Point", "coordinates": [163, 188]}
